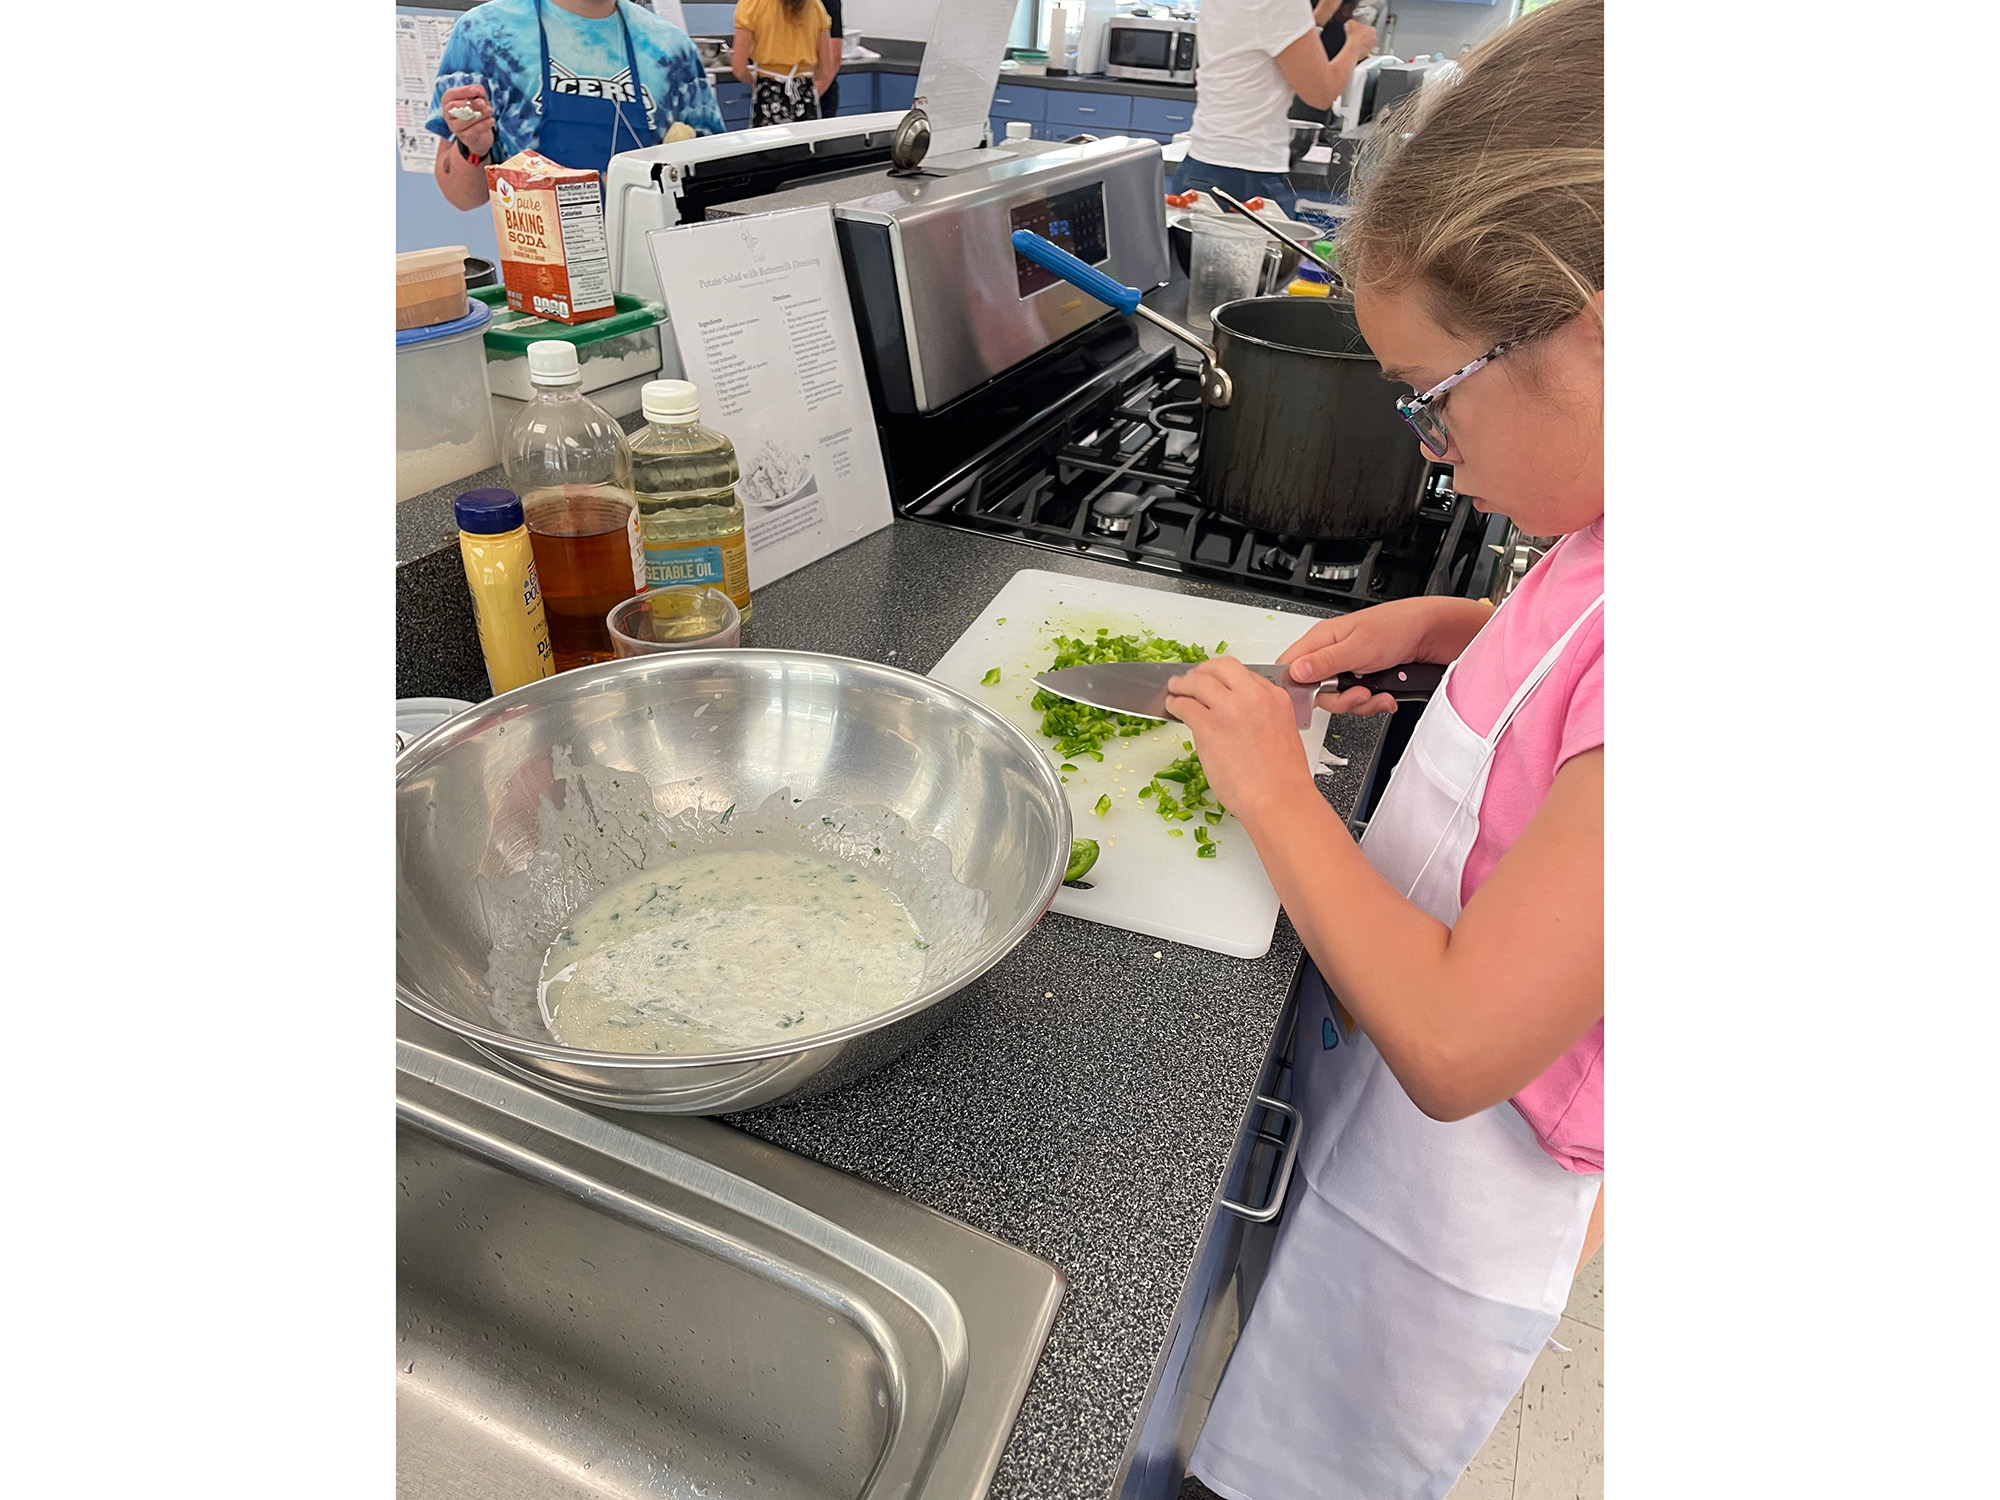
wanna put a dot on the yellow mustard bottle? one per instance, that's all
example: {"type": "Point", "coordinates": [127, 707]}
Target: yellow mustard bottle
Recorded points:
{"type": "Point", "coordinates": [506, 594]}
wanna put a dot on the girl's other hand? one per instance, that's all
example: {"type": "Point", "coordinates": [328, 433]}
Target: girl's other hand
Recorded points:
{"type": "Point", "coordinates": [1244, 730]}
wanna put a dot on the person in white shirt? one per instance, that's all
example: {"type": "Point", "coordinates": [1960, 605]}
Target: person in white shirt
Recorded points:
{"type": "Point", "coordinates": [1255, 55]}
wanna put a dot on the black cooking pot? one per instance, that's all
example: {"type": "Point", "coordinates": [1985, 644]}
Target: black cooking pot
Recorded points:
{"type": "Point", "coordinates": [1300, 433]}
{"type": "Point", "coordinates": [1310, 444]}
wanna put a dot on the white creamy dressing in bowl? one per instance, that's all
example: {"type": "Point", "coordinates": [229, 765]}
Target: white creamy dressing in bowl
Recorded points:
{"type": "Point", "coordinates": [729, 950]}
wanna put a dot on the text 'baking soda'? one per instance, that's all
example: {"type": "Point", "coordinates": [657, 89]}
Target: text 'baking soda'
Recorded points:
{"type": "Point", "coordinates": [549, 219]}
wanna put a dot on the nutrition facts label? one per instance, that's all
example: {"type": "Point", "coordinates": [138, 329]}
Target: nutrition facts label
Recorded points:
{"type": "Point", "coordinates": [760, 313]}
{"type": "Point", "coordinates": [581, 210]}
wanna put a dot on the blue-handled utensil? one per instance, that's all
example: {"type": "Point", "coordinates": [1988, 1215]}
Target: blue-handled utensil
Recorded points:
{"type": "Point", "coordinates": [1216, 386]}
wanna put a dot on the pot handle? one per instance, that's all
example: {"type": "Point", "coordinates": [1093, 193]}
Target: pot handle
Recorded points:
{"type": "Point", "coordinates": [1216, 387]}
{"type": "Point", "coordinates": [1081, 274]}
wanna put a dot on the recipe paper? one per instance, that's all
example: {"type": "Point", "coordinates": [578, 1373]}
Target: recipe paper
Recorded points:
{"type": "Point", "coordinates": [419, 49]}
{"type": "Point", "coordinates": [960, 67]}
{"type": "Point", "coordinates": [760, 313]}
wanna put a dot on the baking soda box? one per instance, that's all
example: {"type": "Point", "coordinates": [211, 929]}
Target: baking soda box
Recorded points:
{"type": "Point", "coordinates": [550, 223]}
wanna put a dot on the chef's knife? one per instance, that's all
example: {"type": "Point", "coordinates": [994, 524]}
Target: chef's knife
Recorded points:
{"type": "Point", "coordinates": [1140, 687]}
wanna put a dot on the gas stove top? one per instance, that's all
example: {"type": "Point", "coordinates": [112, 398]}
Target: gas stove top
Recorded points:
{"type": "Point", "coordinates": [1108, 472]}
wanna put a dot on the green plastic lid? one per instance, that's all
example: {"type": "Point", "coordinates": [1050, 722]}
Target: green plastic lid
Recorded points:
{"type": "Point", "coordinates": [512, 332]}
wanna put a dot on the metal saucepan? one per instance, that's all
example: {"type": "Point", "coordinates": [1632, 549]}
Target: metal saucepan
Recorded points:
{"type": "Point", "coordinates": [1300, 433]}
{"type": "Point", "coordinates": [721, 727]}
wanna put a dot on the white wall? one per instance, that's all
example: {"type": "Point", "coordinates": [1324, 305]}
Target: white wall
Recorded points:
{"type": "Point", "coordinates": [1426, 26]}
{"type": "Point", "coordinates": [909, 20]}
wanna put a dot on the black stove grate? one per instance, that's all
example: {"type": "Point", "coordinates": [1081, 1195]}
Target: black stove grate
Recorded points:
{"type": "Point", "coordinates": [1115, 480]}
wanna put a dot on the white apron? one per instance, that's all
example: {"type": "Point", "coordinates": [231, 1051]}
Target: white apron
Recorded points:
{"type": "Point", "coordinates": [1424, 1265]}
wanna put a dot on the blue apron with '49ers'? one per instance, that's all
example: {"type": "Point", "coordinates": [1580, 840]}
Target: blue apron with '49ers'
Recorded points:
{"type": "Point", "coordinates": [1424, 1264]}
{"type": "Point", "coordinates": [586, 133]}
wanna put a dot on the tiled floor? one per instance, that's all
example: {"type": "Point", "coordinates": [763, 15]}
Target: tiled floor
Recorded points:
{"type": "Point", "coordinates": [1550, 1445]}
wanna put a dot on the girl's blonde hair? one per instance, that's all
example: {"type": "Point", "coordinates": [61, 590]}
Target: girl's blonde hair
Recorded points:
{"type": "Point", "coordinates": [1486, 192]}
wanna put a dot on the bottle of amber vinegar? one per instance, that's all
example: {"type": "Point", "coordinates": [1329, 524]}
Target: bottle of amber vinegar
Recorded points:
{"type": "Point", "coordinates": [568, 460]}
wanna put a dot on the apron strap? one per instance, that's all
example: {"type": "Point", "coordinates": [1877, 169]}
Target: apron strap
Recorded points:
{"type": "Point", "coordinates": [1542, 669]}
{"type": "Point", "coordinates": [638, 88]}
{"type": "Point", "coordinates": [1521, 695]}
{"type": "Point", "coordinates": [543, 32]}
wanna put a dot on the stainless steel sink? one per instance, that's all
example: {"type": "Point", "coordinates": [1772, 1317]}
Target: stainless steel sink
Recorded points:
{"type": "Point", "coordinates": [655, 1306]}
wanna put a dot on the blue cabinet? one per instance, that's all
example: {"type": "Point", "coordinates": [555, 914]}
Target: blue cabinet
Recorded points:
{"type": "Point", "coordinates": [733, 99]}
{"type": "Point", "coordinates": [895, 90]}
{"type": "Point", "coordinates": [1012, 102]}
{"type": "Point", "coordinates": [1162, 117]}
{"type": "Point", "coordinates": [857, 93]}
{"type": "Point", "coordinates": [1097, 113]}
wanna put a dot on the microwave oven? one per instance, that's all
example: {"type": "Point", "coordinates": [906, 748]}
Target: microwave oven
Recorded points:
{"type": "Point", "coordinates": [1152, 49]}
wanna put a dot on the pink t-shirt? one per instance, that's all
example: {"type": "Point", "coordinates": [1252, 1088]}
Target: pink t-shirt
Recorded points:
{"type": "Point", "coordinates": [1561, 718]}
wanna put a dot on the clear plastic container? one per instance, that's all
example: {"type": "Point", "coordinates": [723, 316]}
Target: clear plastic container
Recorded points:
{"type": "Point", "coordinates": [444, 418]}
{"type": "Point", "coordinates": [567, 458]}
{"type": "Point", "coordinates": [690, 516]}
{"type": "Point", "coordinates": [609, 351]}
{"type": "Point", "coordinates": [675, 619]}
{"type": "Point", "coordinates": [430, 286]}
{"type": "Point", "coordinates": [1225, 264]}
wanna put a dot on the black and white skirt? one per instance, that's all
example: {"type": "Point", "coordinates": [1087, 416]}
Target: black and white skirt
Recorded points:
{"type": "Point", "coordinates": [778, 101]}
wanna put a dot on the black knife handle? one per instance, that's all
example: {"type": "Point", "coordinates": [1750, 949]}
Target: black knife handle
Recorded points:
{"type": "Point", "coordinates": [1412, 680]}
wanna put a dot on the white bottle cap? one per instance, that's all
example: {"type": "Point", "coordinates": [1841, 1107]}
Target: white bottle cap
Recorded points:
{"type": "Point", "coordinates": [675, 402]}
{"type": "Point", "coordinates": [1019, 130]}
{"type": "Point", "coordinates": [553, 362]}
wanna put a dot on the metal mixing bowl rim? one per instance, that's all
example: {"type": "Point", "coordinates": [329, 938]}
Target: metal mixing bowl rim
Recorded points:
{"type": "Point", "coordinates": [458, 730]}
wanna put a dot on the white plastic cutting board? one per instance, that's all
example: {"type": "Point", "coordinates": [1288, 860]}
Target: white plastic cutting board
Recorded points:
{"type": "Point", "coordinates": [1144, 880]}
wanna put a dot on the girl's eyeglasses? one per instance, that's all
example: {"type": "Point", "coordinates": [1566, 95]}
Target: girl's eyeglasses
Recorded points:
{"type": "Point", "coordinates": [1425, 413]}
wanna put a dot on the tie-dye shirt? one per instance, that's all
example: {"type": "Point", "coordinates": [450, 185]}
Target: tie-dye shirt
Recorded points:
{"type": "Point", "coordinates": [496, 45]}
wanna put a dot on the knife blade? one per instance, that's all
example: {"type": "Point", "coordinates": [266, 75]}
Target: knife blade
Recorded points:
{"type": "Point", "coordinates": [1139, 688]}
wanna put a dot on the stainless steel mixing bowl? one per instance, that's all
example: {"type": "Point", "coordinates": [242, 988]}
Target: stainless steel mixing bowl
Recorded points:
{"type": "Point", "coordinates": [468, 798]}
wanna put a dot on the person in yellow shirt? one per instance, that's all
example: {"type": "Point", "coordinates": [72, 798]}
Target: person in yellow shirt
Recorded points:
{"type": "Point", "coordinates": [780, 51]}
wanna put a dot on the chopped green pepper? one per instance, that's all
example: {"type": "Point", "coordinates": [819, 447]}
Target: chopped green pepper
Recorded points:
{"type": "Point", "coordinates": [990, 678]}
{"type": "Point", "coordinates": [1079, 729]}
{"type": "Point", "coordinates": [1082, 855]}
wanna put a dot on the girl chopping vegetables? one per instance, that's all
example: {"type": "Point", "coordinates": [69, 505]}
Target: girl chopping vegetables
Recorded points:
{"type": "Point", "coordinates": [1449, 1053]}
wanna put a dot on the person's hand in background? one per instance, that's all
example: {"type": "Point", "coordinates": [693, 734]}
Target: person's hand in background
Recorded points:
{"type": "Point", "coordinates": [469, 114]}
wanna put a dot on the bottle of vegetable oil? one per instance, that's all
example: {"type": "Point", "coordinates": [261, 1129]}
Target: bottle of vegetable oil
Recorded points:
{"type": "Point", "coordinates": [684, 477]}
